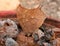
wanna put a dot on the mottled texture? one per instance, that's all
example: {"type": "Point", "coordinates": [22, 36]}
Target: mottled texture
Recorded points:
{"type": "Point", "coordinates": [51, 8]}
{"type": "Point", "coordinates": [8, 28]}
{"type": "Point", "coordinates": [39, 32]}
{"type": "Point", "coordinates": [11, 42]}
{"type": "Point", "coordinates": [23, 40]}
{"type": "Point", "coordinates": [30, 20]}
{"type": "Point", "coordinates": [30, 4]}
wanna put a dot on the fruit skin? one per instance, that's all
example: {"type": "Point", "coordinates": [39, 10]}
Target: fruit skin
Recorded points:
{"type": "Point", "coordinates": [30, 19]}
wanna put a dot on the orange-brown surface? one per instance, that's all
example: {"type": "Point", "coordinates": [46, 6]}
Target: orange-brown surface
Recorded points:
{"type": "Point", "coordinates": [58, 41]}
{"type": "Point", "coordinates": [23, 40]}
{"type": "Point", "coordinates": [30, 19]}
